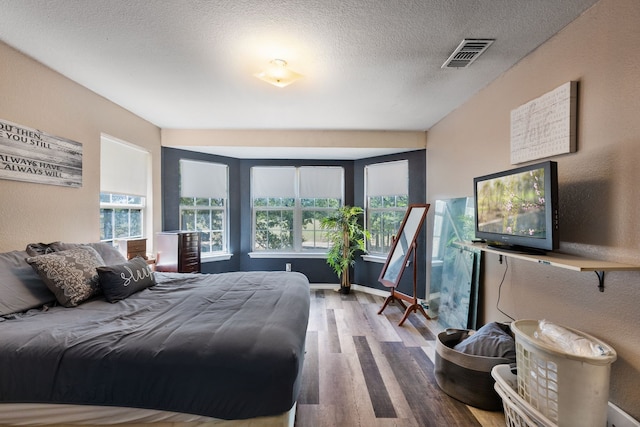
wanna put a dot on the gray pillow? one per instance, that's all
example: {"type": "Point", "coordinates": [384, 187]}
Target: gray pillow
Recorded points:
{"type": "Point", "coordinates": [108, 252]}
{"type": "Point", "coordinates": [21, 288]}
{"type": "Point", "coordinates": [71, 275]}
{"type": "Point", "coordinates": [491, 340]}
{"type": "Point", "coordinates": [34, 249]}
{"type": "Point", "coordinates": [122, 280]}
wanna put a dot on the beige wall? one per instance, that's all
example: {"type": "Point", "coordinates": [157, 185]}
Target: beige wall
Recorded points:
{"type": "Point", "coordinates": [599, 184]}
{"type": "Point", "coordinates": [33, 95]}
{"type": "Point", "coordinates": [410, 140]}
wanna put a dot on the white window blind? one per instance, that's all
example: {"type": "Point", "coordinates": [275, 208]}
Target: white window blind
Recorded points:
{"type": "Point", "coordinates": [321, 182]}
{"type": "Point", "coordinates": [203, 179]}
{"type": "Point", "coordinates": [388, 179]}
{"type": "Point", "coordinates": [123, 168]}
{"type": "Point", "coordinates": [273, 182]}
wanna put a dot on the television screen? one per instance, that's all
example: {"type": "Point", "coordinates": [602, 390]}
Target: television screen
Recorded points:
{"type": "Point", "coordinates": [518, 207]}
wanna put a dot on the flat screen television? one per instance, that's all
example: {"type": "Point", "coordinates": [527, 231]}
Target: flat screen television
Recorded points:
{"type": "Point", "coordinates": [517, 209]}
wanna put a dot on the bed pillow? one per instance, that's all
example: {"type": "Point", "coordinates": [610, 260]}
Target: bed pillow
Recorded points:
{"type": "Point", "coordinates": [489, 341]}
{"type": "Point", "coordinates": [122, 280]}
{"type": "Point", "coordinates": [34, 249]}
{"type": "Point", "coordinates": [71, 275]}
{"type": "Point", "coordinates": [21, 288]}
{"type": "Point", "coordinates": [108, 252]}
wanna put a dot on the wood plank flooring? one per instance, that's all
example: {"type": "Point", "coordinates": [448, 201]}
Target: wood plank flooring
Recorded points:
{"type": "Point", "coordinates": [362, 369]}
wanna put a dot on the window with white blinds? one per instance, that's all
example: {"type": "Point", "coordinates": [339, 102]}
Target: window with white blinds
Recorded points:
{"type": "Point", "coordinates": [387, 199]}
{"type": "Point", "coordinates": [288, 204]}
{"type": "Point", "coordinates": [124, 183]}
{"type": "Point", "coordinates": [123, 168]}
{"type": "Point", "coordinates": [204, 195]}
{"type": "Point", "coordinates": [203, 179]}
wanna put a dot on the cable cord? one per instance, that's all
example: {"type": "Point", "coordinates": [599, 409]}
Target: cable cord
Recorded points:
{"type": "Point", "coordinates": [504, 275]}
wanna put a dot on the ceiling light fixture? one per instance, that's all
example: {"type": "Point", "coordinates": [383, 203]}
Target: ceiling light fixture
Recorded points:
{"type": "Point", "coordinates": [278, 74]}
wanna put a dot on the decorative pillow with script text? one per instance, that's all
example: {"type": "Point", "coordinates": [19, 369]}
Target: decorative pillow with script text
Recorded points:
{"type": "Point", "coordinates": [122, 280]}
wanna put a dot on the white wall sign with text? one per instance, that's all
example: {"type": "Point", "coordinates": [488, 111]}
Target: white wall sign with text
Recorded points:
{"type": "Point", "coordinates": [545, 126]}
{"type": "Point", "coordinates": [30, 155]}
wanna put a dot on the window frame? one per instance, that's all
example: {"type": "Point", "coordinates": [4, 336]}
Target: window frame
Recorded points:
{"type": "Point", "coordinates": [211, 209]}
{"type": "Point", "coordinates": [399, 209]}
{"type": "Point", "coordinates": [269, 208]}
{"type": "Point", "coordinates": [329, 208]}
{"type": "Point", "coordinates": [130, 177]}
{"type": "Point", "coordinates": [297, 248]}
{"type": "Point", "coordinates": [141, 207]}
{"type": "Point", "coordinates": [208, 255]}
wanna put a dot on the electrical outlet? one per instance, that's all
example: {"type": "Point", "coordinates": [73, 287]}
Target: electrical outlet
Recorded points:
{"type": "Point", "coordinates": [287, 267]}
{"type": "Point", "coordinates": [616, 417]}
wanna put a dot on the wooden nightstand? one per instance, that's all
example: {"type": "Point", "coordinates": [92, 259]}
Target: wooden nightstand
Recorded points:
{"type": "Point", "coordinates": [132, 248]}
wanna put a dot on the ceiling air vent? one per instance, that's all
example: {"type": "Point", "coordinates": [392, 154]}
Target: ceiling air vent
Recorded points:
{"type": "Point", "coordinates": [467, 52]}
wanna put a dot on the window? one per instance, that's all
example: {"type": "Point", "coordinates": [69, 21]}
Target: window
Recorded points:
{"type": "Point", "coordinates": [120, 216]}
{"type": "Point", "coordinates": [387, 199]}
{"type": "Point", "coordinates": [288, 204]}
{"type": "Point", "coordinates": [123, 190]}
{"type": "Point", "coordinates": [204, 189]}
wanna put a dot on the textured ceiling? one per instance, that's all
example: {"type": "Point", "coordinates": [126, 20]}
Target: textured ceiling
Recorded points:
{"type": "Point", "coordinates": [368, 64]}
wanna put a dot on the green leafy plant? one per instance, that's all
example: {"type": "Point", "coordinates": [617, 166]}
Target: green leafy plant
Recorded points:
{"type": "Point", "coordinates": [346, 237]}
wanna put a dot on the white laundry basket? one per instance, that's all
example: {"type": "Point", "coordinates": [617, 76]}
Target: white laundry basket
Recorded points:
{"type": "Point", "coordinates": [568, 389]}
{"type": "Point", "coordinates": [517, 412]}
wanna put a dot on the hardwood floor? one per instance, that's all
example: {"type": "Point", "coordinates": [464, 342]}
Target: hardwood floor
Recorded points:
{"type": "Point", "coordinates": [362, 369]}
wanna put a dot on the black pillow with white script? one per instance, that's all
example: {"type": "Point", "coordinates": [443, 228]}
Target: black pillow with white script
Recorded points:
{"type": "Point", "coordinates": [122, 280]}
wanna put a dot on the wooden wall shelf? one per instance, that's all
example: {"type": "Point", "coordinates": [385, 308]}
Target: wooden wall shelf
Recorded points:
{"type": "Point", "coordinates": [560, 260]}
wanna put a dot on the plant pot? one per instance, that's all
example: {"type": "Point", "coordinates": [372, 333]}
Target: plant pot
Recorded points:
{"type": "Point", "coordinates": [345, 290]}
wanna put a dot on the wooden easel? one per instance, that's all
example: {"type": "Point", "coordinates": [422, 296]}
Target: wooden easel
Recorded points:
{"type": "Point", "coordinates": [400, 297]}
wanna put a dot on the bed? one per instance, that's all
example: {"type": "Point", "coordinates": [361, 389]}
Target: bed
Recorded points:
{"type": "Point", "coordinates": [167, 348]}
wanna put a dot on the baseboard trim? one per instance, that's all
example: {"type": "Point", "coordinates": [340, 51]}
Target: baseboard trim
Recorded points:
{"type": "Point", "coordinates": [360, 288]}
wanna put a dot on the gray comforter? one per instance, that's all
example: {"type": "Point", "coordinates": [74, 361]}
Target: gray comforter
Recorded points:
{"type": "Point", "coordinates": [223, 345]}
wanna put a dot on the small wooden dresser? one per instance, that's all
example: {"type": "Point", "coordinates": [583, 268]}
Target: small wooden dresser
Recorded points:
{"type": "Point", "coordinates": [178, 251]}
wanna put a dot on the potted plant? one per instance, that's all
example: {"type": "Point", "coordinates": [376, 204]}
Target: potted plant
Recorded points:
{"type": "Point", "coordinates": [346, 237]}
